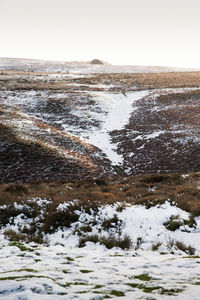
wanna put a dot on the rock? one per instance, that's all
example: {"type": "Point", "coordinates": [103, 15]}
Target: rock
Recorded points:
{"type": "Point", "coordinates": [96, 62]}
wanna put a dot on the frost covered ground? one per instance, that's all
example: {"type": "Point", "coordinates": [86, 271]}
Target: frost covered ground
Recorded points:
{"type": "Point", "coordinates": [155, 266]}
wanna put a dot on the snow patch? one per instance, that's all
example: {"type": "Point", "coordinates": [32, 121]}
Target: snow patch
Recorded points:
{"type": "Point", "coordinates": [118, 108]}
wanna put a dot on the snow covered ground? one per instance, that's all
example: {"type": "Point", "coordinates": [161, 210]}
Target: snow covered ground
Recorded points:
{"type": "Point", "coordinates": [62, 270]}
{"type": "Point", "coordinates": [112, 111]}
{"type": "Point", "coordinates": [118, 108]}
{"type": "Point", "coordinates": [102, 119]}
{"type": "Point", "coordinates": [163, 261]}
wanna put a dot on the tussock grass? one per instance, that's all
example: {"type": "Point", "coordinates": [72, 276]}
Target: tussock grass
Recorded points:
{"type": "Point", "coordinates": [143, 277]}
{"type": "Point", "coordinates": [110, 241]}
{"type": "Point", "coordinates": [181, 246]}
{"type": "Point", "coordinates": [187, 249]}
{"type": "Point", "coordinates": [149, 190]}
{"type": "Point", "coordinates": [117, 293]}
{"type": "Point", "coordinates": [161, 290]}
{"type": "Point", "coordinates": [183, 192]}
{"type": "Point", "coordinates": [175, 222]}
{"type": "Point", "coordinates": [156, 246]}
{"type": "Point", "coordinates": [91, 194]}
{"type": "Point", "coordinates": [145, 80]}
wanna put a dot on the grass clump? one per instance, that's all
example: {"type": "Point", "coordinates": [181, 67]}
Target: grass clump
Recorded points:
{"type": "Point", "coordinates": [181, 246]}
{"type": "Point", "coordinates": [173, 223]}
{"type": "Point", "coordinates": [21, 246]}
{"type": "Point", "coordinates": [110, 241]}
{"type": "Point", "coordinates": [187, 249]}
{"type": "Point", "coordinates": [86, 271]}
{"type": "Point", "coordinates": [14, 236]}
{"type": "Point", "coordinates": [59, 218]}
{"type": "Point", "coordinates": [69, 259]}
{"type": "Point", "coordinates": [80, 283]}
{"type": "Point", "coordinates": [138, 243]}
{"type": "Point", "coordinates": [119, 171]}
{"type": "Point", "coordinates": [20, 270]}
{"type": "Point", "coordinates": [192, 256]}
{"type": "Point", "coordinates": [156, 246]}
{"type": "Point", "coordinates": [111, 223]}
{"type": "Point", "coordinates": [98, 286]}
{"type": "Point", "coordinates": [90, 238]}
{"type": "Point", "coordinates": [117, 293]}
{"type": "Point", "coordinates": [83, 229]}
{"type": "Point", "coordinates": [143, 277]}
{"type": "Point", "coordinates": [149, 289]}
{"type": "Point", "coordinates": [16, 189]}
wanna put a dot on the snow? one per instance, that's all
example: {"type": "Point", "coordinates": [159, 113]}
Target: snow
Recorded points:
{"type": "Point", "coordinates": [152, 135]}
{"type": "Point", "coordinates": [56, 270]}
{"type": "Point", "coordinates": [111, 110]}
{"type": "Point", "coordinates": [118, 108]}
{"type": "Point", "coordinates": [61, 270]}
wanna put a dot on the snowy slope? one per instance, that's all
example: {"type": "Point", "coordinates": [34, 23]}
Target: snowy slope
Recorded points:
{"type": "Point", "coordinates": [64, 271]}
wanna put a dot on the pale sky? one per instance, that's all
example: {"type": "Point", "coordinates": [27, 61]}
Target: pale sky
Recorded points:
{"type": "Point", "coordinates": [137, 32]}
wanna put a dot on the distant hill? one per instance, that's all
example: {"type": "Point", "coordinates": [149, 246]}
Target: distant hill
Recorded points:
{"type": "Point", "coordinates": [94, 66]}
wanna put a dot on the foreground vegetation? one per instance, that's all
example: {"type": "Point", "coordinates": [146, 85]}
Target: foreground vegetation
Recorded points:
{"type": "Point", "coordinates": [181, 189]}
{"type": "Point", "coordinates": [89, 196]}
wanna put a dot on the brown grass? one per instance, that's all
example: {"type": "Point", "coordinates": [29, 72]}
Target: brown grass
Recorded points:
{"type": "Point", "coordinates": [187, 249]}
{"type": "Point", "coordinates": [148, 190]}
{"type": "Point", "coordinates": [146, 80]}
{"type": "Point", "coordinates": [180, 191]}
{"type": "Point", "coordinates": [123, 81]}
{"type": "Point", "coordinates": [109, 242]}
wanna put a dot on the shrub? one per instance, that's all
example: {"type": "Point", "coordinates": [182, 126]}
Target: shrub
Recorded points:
{"type": "Point", "coordinates": [16, 189]}
{"type": "Point", "coordinates": [187, 249]}
{"type": "Point", "coordinates": [170, 244]}
{"type": "Point", "coordinates": [113, 222]}
{"type": "Point", "coordinates": [110, 241]}
{"type": "Point", "coordinates": [101, 182]}
{"type": "Point", "coordinates": [155, 178]}
{"type": "Point", "coordinates": [90, 238]}
{"type": "Point", "coordinates": [83, 229]}
{"type": "Point", "coordinates": [138, 243]}
{"type": "Point", "coordinates": [175, 223]}
{"type": "Point", "coordinates": [156, 246]}
{"type": "Point", "coordinates": [59, 218]}
{"type": "Point", "coordinates": [143, 277]}
{"type": "Point", "coordinates": [12, 235]}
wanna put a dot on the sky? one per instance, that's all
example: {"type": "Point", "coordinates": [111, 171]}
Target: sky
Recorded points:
{"type": "Point", "coordinates": [129, 32]}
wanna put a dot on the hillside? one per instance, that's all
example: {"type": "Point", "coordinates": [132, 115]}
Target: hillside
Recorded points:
{"type": "Point", "coordinates": [99, 181]}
